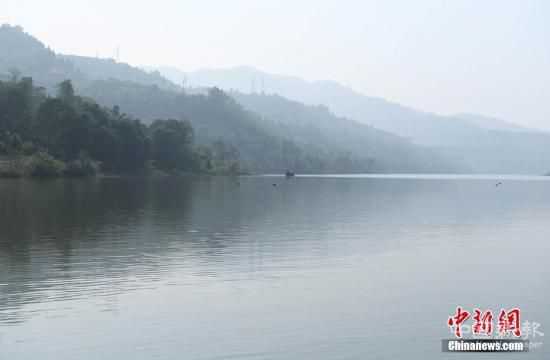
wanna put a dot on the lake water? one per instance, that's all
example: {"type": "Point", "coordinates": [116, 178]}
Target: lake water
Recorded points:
{"type": "Point", "coordinates": [333, 267]}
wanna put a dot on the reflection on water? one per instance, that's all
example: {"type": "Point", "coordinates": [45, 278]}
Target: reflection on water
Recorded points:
{"type": "Point", "coordinates": [315, 267]}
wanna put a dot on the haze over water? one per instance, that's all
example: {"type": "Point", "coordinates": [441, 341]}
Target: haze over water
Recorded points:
{"type": "Point", "coordinates": [218, 268]}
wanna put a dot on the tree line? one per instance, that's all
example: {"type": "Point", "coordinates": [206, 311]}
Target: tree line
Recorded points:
{"type": "Point", "coordinates": [259, 145]}
{"type": "Point", "coordinates": [66, 134]}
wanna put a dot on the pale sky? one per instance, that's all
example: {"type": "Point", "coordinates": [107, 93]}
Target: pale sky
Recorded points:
{"type": "Point", "coordinates": [482, 56]}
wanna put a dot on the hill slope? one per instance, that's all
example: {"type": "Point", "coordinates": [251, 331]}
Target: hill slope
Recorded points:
{"type": "Point", "coordinates": [262, 145]}
{"type": "Point", "coordinates": [480, 144]}
{"type": "Point", "coordinates": [28, 56]}
{"type": "Point", "coordinates": [307, 124]}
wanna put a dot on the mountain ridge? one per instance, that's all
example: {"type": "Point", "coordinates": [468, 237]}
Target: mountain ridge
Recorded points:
{"type": "Point", "coordinates": [241, 78]}
{"type": "Point", "coordinates": [263, 146]}
{"type": "Point", "coordinates": [480, 143]}
{"type": "Point", "coordinates": [465, 146]}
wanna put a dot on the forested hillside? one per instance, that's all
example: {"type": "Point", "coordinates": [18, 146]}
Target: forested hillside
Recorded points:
{"type": "Point", "coordinates": [475, 143]}
{"type": "Point", "coordinates": [318, 125]}
{"type": "Point", "coordinates": [308, 141]}
{"type": "Point", "coordinates": [44, 135]}
{"type": "Point", "coordinates": [215, 115]}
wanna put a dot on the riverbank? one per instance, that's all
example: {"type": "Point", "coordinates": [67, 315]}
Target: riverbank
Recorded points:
{"type": "Point", "coordinates": [43, 165]}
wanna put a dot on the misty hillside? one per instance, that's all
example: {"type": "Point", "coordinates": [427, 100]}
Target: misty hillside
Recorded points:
{"type": "Point", "coordinates": [104, 69]}
{"type": "Point", "coordinates": [262, 144]}
{"type": "Point", "coordinates": [308, 124]}
{"type": "Point", "coordinates": [28, 56]}
{"type": "Point", "coordinates": [23, 54]}
{"type": "Point", "coordinates": [300, 137]}
{"type": "Point", "coordinates": [469, 143]}
{"type": "Point", "coordinates": [478, 143]}
{"type": "Point", "coordinates": [421, 127]}
{"type": "Point", "coordinates": [216, 116]}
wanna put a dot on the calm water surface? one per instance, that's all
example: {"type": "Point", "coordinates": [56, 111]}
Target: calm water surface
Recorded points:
{"type": "Point", "coordinates": [219, 268]}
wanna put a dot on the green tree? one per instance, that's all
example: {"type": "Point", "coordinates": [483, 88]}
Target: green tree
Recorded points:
{"type": "Point", "coordinates": [65, 92]}
{"type": "Point", "coordinates": [172, 144]}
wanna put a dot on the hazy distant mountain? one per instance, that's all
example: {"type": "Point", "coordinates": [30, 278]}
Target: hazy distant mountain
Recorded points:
{"type": "Point", "coordinates": [314, 125]}
{"type": "Point", "coordinates": [479, 150]}
{"type": "Point", "coordinates": [104, 69]}
{"type": "Point", "coordinates": [421, 127]}
{"type": "Point", "coordinates": [275, 139]}
{"type": "Point", "coordinates": [25, 54]}
{"type": "Point", "coordinates": [316, 142]}
{"type": "Point", "coordinates": [481, 144]}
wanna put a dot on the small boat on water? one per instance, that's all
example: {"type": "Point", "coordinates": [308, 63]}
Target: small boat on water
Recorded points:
{"type": "Point", "coordinates": [289, 174]}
